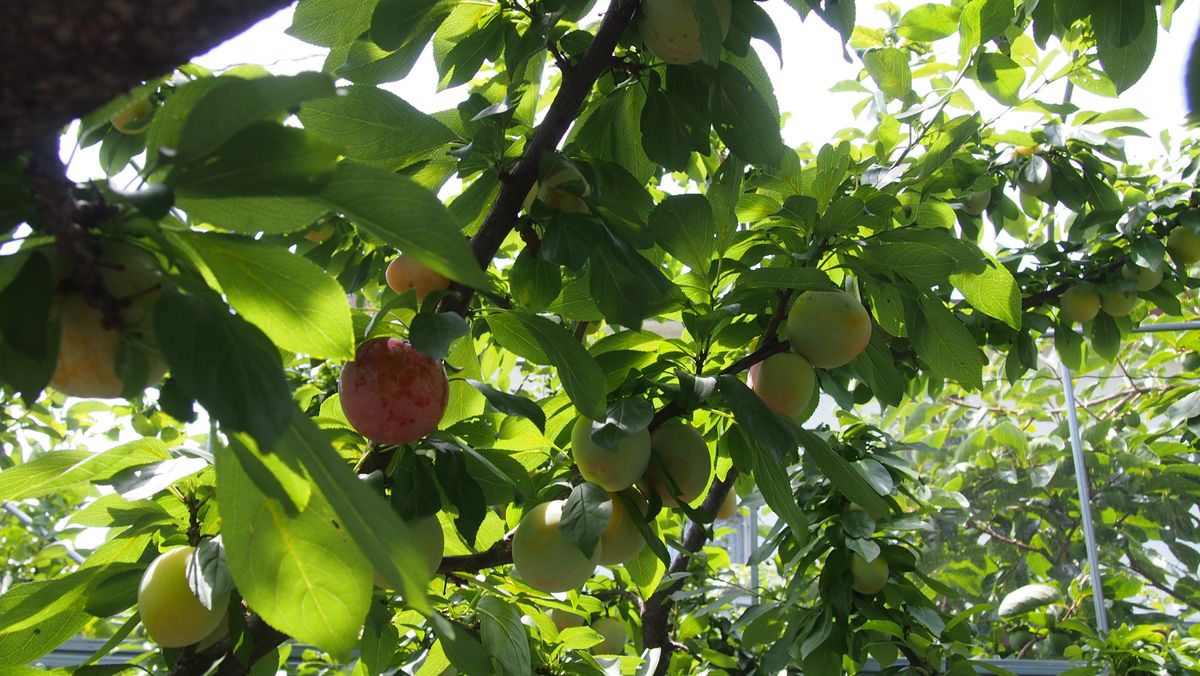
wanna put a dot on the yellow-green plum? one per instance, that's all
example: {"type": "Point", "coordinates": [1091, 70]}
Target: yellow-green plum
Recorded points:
{"type": "Point", "coordinates": [612, 470]}
{"type": "Point", "coordinates": [1184, 244]}
{"type": "Point", "coordinates": [1035, 185]}
{"type": "Point", "coordinates": [681, 451]}
{"type": "Point", "coordinates": [1144, 279]}
{"type": "Point", "coordinates": [87, 349]}
{"type": "Point", "coordinates": [785, 382]}
{"type": "Point", "coordinates": [543, 557]}
{"type": "Point", "coordinates": [170, 612]}
{"type": "Point", "coordinates": [1118, 303]}
{"type": "Point", "coordinates": [621, 540]}
{"type": "Point", "coordinates": [1079, 304]}
{"type": "Point", "coordinates": [615, 636]}
{"type": "Point", "coordinates": [870, 577]}
{"type": "Point", "coordinates": [564, 619]}
{"type": "Point", "coordinates": [133, 118]}
{"type": "Point", "coordinates": [671, 32]}
{"type": "Point", "coordinates": [728, 506]}
{"type": "Point", "coordinates": [975, 203]}
{"type": "Point", "coordinates": [828, 328]}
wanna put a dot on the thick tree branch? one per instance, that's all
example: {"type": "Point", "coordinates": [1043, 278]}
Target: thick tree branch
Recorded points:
{"type": "Point", "coordinates": [263, 638]}
{"type": "Point", "coordinates": [60, 60]}
{"type": "Point", "coordinates": [576, 84]}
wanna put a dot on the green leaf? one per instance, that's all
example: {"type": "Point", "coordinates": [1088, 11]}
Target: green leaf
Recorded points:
{"type": "Point", "coordinates": [743, 119]}
{"type": "Point", "coordinates": [889, 69]}
{"type": "Point", "coordinates": [375, 127]}
{"type": "Point", "coordinates": [623, 419]}
{"type": "Point", "coordinates": [841, 474]}
{"type": "Point", "coordinates": [612, 131]}
{"type": "Point", "coordinates": [62, 595]}
{"type": "Point", "coordinates": [929, 22]}
{"type": "Point", "coordinates": [396, 23]}
{"type": "Point", "coordinates": [671, 129]}
{"type": "Point", "coordinates": [465, 653]}
{"type": "Point", "coordinates": [1001, 77]}
{"type": "Point", "coordinates": [646, 570]}
{"type": "Point", "coordinates": [235, 104]}
{"type": "Point", "coordinates": [293, 300]}
{"type": "Point", "coordinates": [327, 23]}
{"type": "Point", "coordinates": [994, 292]}
{"type": "Point", "coordinates": [263, 159]}
{"type": "Point", "coordinates": [1027, 598]}
{"type": "Point", "coordinates": [511, 404]}
{"type": "Point", "coordinates": [945, 344]}
{"type": "Point", "coordinates": [683, 226]}
{"type": "Point", "coordinates": [534, 281]}
{"type": "Point", "coordinates": [799, 279]}
{"type": "Point", "coordinates": [19, 648]}
{"type": "Point", "coordinates": [433, 332]}
{"type": "Point", "coordinates": [585, 516]}
{"type": "Point", "coordinates": [770, 429]}
{"type": "Point", "coordinates": [225, 363]}
{"type": "Point", "coordinates": [363, 514]}
{"type": "Point", "coordinates": [877, 367]}
{"type": "Point", "coordinates": [1106, 336]}
{"type": "Point", "coordinates": [616, 267]}
{"type": "Point", "coordinates": [504, 635]}
{"type": "Point", "coordinates": [27, 296]}
{"type": "Point", "coordinates": [55, 472]}
{"type": "Point", "coordinates": [1126, 39]}
{"type": "Point", "coordinates": [541, 341]}
{"type": "Point", "coordinates": [771, 475]}
{"type": "Point", "coordinates": [252, 215]}
{"type": "Point", "coordinates": [279, 478]}
{"type": "Point", "coordinates": [945, 142]}
{"type": "Point", "coordinates": [406, 216]}
{"type": "Point", "coordinates": [300, 571]}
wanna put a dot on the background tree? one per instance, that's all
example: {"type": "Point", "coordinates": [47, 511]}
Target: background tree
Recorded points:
{"type": "Point", "coordinates": [596, 175]}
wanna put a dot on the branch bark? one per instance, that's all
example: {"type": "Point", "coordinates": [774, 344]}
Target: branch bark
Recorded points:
{"type": "Point", "coordinates": [60, 60]}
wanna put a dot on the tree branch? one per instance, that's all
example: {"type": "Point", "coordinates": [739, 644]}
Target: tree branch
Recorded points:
{"type": "Point", "coordinates": [60, 60]}
{"type": "Point", "coordinates": [577, 83]}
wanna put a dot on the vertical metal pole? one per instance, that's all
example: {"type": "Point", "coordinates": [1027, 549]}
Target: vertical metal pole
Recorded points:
{"type": "Point", "coordinates": [1085, 499]}
{"type": "Point", "coordinates": [754, 548]}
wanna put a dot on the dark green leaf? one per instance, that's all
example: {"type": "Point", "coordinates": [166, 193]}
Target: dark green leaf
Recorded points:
{"type": "Point", "coordinates": [771, 475]}
{"type": "Point", "coordinates": [432, 332]}
{"type": "Point", "coordinates": [465, 653]}
{"type": "Point", "coordinates": [535, 281]}
{"type": "Point", "coordinates": [770, 429]}
{"type": "Point", "coordinates": [511, 404]}
{"type": "Point", "coordinates": [945, 344]}
{"type": "Point", "coordinates": [743, 119]}
{"type": "Point", "coordinates": [504, 635]}
{"type": "Point", "coordinates": [585, 516]}
{"type": "Point", "coordinates": [683, 226]}
{"type": "Point", "coordinates": [1106, 336]}
{"type": "Point", "coordinates": [263, 159]}
{"type": "Point", "coordinates": [624, 418]}
{"type": "Point", "coordinates": [841, 474]}
{"type": "Point", "coordinates": [543, 342]}
{"type": "Point", "coordinates": [1126, 44]}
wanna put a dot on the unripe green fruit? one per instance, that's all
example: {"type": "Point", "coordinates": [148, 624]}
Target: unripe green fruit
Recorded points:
{"type": "Point", "coordinates": [975, 203]}
{"type": "Point", "coordinates": [1078, 304]}
{"type": "Point", "coordinates": [1118, 303]}
{"type": "Point", "coordinates": [728, 506]}
{"type": "Point", "coordinates": [870, 577]}
{"type": "Point", "coordinates": [621, 540]}
{"type": "Point", "coordinates": [1144, 279]}
{"type": "Point", "coordinates": [828, 328]}
{"type": "Point", "coordinates": [671, 32]}
{"type": "Point", "coordinates": [611, 470]}
{"type": "Point", "coordinates": [430, 541]}
{"type": "Point", "coordinates": [1035, 186]}
{"type": "Point", "coordinates": [543, 558]}
{"type": "Point", "coordinates": [564, 619]}
{"type": "Point", "coordinates": [170, 612]}
{"type": "Point", "coordinates": [615, 636]}
{"type": "Point", "coordinates": [1184, 244]}
{"type": "Point", "coordinates": [682, 451]}
{"type": "Point", "coordinates": [785, 382]}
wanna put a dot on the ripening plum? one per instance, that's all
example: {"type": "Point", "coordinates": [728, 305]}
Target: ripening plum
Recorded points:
{"type": "Point", "coordinates": [681, 451]}
{"type": "Point", "coordinates": [392, 393]}
{"type": "Point", "coordinates": [611, 470]}
{"type": "Point", "coordinates": [785, 382]}
{"type": "Point", "coordinates": [621, 540]}
{"type": "Point", "coordinates": [870, 577]}
{"type": "Point", "coordinates": [828, 328]}
{"type": "Point", "coordinates": [564, 619]}
{"type": "Point", "coordinates": [615, 636]}
{"type": "Point", "coordinates": [1144, 279]}
{"type": "Point", "coordinates": [1184, 244]}
{"type": "Point", "coordinates": [976, 202]}
{"type": "Point", "coordinates": [170, 612]}
{"type": "Point", "coordinates": [1079, 304]}
{"type": "Point", "coordinates": [552, 193]}
{"type": "Point", "coordinates": [1118, 302]}
{"type": "Point", "coordinates": [406, 272]}
{"type": "Point", "coordinates": [543, 557]}
{"type": "Point", "coordinates": [729, 505]}
{"type": "Point", "coordinates": [671, 32]}
{"type": "Point", "coordinates": [87, 350]}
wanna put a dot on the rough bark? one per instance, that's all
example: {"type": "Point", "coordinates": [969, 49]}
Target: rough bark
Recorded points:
{"type": "Point", "coordinates": [60, 60]}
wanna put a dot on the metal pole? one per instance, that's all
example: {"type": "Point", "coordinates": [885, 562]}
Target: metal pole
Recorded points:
{"type": "Point", "coordinates": [1085, 500]}
{"type": "Point", "coordinates": [754, 548]}
{"type": "Point", "coordinates": [28, 523]}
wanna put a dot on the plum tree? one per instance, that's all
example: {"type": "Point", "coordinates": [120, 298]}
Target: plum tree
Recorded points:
{"type": "Point", "coordinates": [615, 636]}
{"type": "Point", "coordinates": [1184, 244]}
{"type": "Point", "coordinates": [679, 451]}
{"type": "Point", "coordinates": [828, 328]}
{"type": "Point", "coordinates": [171, 613]}
{"type": "Point", "coordinates": [785, 382]}
{"type": "Point", "coordinates": [543, 557]}
{"type": "Point", "coordinates": [1118, 302]}
{"type": "Point", "coordinates": [406, 272]}
{"type": "Point", "coordinates": [392, 393]}
{"type": "Point", "coordinates": [870, 577]}
{"type": "Point", "coordinates": [976, 202]}
{"type": "Point", "coordinates": [133, 118]}
{"type": "Point", "coordinates": [1079, 304]}
{"type": "Point", "coordinates": [88, 351]}
{"type": "Point", "coordinates": [671, 31]}
{"type": "Point", "coordinates": [621, 539]}
{"type": "Point", "coordinates": [613, 470]}
{"type": "Point", "coordinates": [728, 506]}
